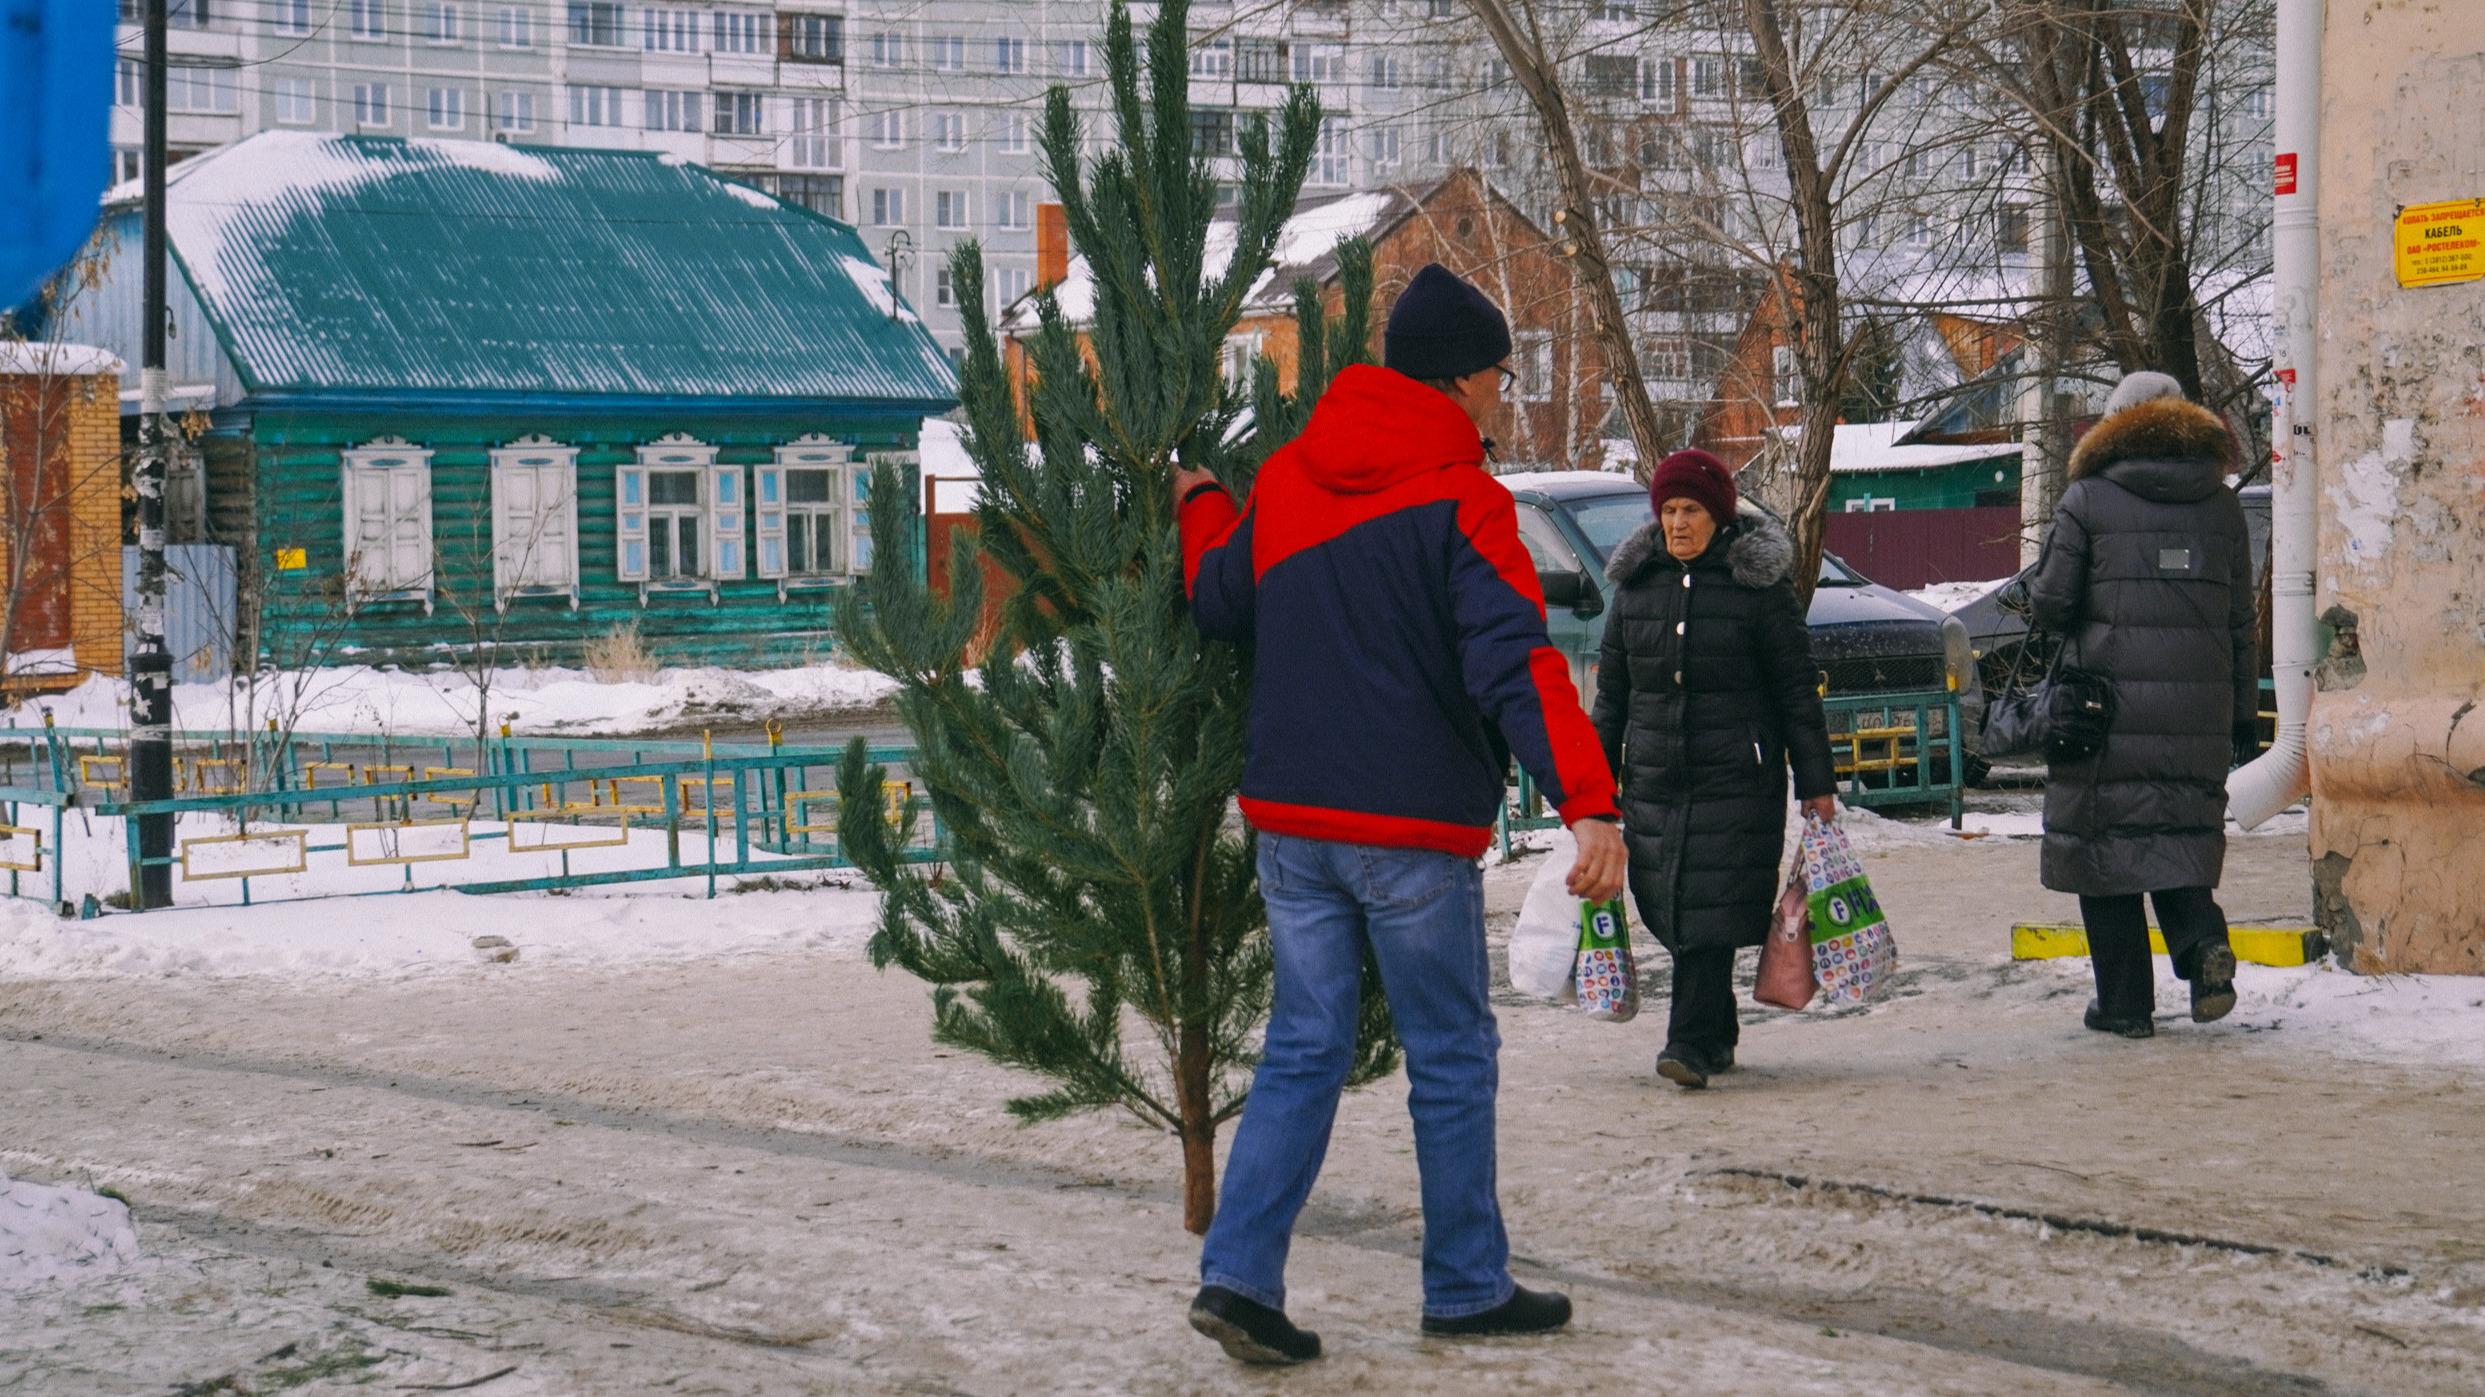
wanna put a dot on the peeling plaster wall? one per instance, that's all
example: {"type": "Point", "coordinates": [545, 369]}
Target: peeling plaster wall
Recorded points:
{"type": "Point", "coordinates": [2398, 731]}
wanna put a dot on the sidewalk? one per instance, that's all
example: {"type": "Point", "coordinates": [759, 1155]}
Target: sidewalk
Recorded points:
{"type": "Point", "coordinates": [755, 1173]}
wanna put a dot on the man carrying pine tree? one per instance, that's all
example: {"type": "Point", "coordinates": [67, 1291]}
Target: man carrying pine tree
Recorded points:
{"type": "Point", "coordinates": [1400, 659]}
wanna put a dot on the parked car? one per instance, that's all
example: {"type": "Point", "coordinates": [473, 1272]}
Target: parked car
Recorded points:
{"type": "Point", "coordinates": [1867, 639]}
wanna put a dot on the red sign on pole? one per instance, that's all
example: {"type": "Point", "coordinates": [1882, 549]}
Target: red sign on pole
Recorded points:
{"type": "Point", "coordinates": [2286, 173]}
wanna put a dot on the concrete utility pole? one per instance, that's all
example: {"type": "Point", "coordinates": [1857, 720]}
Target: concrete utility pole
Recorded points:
{"type": "Point", "coordinates": [151, 668]}
{"type": "Point", "coordinates": [2047, 428]}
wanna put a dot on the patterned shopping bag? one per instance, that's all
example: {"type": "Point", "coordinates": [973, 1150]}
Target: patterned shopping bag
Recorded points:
{"type": "Point", "coordinates": [1853, 954]}
{"type": "Point", "coordinates": [1608, 983]}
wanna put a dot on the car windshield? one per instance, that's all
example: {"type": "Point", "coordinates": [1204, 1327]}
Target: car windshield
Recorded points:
{"type": "Point", "coordinates": [1609, 519]}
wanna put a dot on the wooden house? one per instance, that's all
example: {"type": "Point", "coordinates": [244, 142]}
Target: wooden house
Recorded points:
{"type": "Point", "coordinates": [461, 395]}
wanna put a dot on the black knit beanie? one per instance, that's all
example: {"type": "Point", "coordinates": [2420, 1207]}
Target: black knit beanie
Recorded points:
{"type": "Point", "coordinates": [1442, 327]}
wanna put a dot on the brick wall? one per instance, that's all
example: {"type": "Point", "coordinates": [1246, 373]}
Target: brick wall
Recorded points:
{"type": "Point", "coordinates": [61, 436]}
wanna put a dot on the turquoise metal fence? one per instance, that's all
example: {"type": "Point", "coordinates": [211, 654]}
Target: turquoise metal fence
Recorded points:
{"type": "Point", "coordinates": [715, 810]}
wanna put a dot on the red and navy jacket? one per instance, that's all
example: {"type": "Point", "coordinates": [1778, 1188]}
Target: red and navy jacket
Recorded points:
{"type": "Point", "coordinates": [1398, 629]}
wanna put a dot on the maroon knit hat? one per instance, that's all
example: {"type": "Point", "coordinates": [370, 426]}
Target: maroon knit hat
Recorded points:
{"type": "Point", "coordinates": [1697, 476]}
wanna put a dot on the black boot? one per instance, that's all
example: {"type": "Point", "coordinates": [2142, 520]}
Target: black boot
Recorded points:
{"type": "Point", "coordinates": [1684, 1067]}
{"type": "Point", "coordinates": [2213, 985]}
{"type": "Point", "coordinates": [1249, 1330]}
{"type": "Point", "coordinates": [1525, 1312]}
{"type": "Point", "coordinates": [2128, 1028]}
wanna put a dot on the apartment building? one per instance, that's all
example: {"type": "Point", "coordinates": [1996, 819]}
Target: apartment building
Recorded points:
{"type": "Point", "coordinates": [918, 121]}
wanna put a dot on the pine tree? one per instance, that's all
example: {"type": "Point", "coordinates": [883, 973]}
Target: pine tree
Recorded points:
{"type": "Point", "coordinates": [1083, 773]}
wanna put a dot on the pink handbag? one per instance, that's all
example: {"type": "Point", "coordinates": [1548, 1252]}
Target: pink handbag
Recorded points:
{"type": "Point", "coordinates": [1786, 979]}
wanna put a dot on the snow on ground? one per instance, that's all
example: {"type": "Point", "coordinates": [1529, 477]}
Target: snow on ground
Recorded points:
{"type": "Point", "coordinates": [432, 932]}
{"type": "Point", "coordinates": [361, 699]}
{"type": "Point", "coordinates": [50, 1235]}
{"type": "Point", "coordinates": [2394, 1019]}
{"type": "Point", "coordinates": [1950, 596]}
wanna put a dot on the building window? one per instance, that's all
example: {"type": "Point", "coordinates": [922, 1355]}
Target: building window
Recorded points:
{"type": "Point", "coordinates": [1212, 132]}
{"type": "Point", "coordinates": [677, 515]}
{"type": "Point", "coordinates": [2013, 233]}
{"type": "Point", "coordinates": [440, 22]}
{"type": "Point", "coordinates": [1384, 145]}
{"type": "Point", "coordinates": [673, 111]}
{"type": "Point", "coordinates": [1014, 133]}
{"type": "Point", "coordinates": [128, 163]}
{"type": "Point", "coordinates": [1669, 357]}
{"type": "Point", "coordinates": [1785, 376]}
{"type": "Point", "coordinates": [534, 521]}
{"type": "Point", "coordinates": [1074, 58]}
{"type": "Point", "coordinates": [1330, 159]}
{"type": "Point", "coordinates": [888, 207]}
{"type": "Point", "coordinates": [364, 19]}
{"type": "Point", "coordinates": [1610, 74]}
{"type": "Point", "coordinates": [444, 109]}
{"type": "Point", "coordinates": [1385, 72]}
{"type": "Point", "coordinates": [1240, 354]}
{"type": "Point", "coordinates": [387, 523]}
{"type": "Point", "coordinates": [1532, 357]}
{"type": "Point", "coordinates": [188, 14]}
{"type": "Point", "coordinates": [808, 519]}
{"type": "Point", "coordinates": [1708, 77]}
{"type": "Point", "coordinates": [669, 31]}
{"type": "Point", "coordinates": [742, 33]}
{"type": "Point", "coordinates": [949, 130]}
{"type": "Point", "coordinates": [295, 103]}
{"type": "Point", "coordinates": [290, 16]}
{"type": "Point", "coordinates": [1318, 63]}
{"type": "Point", "coordinates": [815, 38]}
{"type": "Point", "coordinates": [942, 294]}
{"type": "Point", "coordinates": [595, 23]}
{"type": "Point", "coordinates": [818, 193]}
{"type": "Point", "coordinates": [816, 143]}
{"type": "Point", "coordinates": [948, 52]}
{"type": "Point", "coordinates": [887, 129]}
{"type": "Point", "coordinates": [887, 50]}
{"type": "Point", "coordinates": [517, 28]}
{"type": "Point", "coordinates": [740, 114]}
{"type": "Point", "coordinates": [1213, 59]}
{"type": "Point", "coordinates": [514, 111]}
{"type": "Point", "coordinates": [1011, 284]}
{"type": "Point", "coordinates": [211, 90]}
{"type": "Point", "coordinates": [595, 106]}
{"type": "Point", "coordinates": [1260, 60]}
{"type": "Point", "coordinates": [1009, 55]}
{"type": "Point", "coordinates": [1010, 209]}
{"type": "Point", "coordinates": [371, 104]}
{"type": "Point", "coordinates": [130, 87]}
{"type": "Point", "coordinates": [949, 211]}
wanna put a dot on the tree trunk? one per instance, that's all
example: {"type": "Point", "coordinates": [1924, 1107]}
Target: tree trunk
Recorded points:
{"type": "Point", "coordinates": [1199, 1130]}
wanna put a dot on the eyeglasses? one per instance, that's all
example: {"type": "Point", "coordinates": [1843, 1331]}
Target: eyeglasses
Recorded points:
{"type": "Point", "coordinates": [1508, 374]}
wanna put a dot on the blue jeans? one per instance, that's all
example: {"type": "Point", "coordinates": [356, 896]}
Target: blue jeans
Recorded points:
{"type": "Point", "coordinates": [1421, 914]}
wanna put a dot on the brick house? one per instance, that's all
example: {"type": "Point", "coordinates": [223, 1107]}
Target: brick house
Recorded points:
{"type": "Point", "coordinates": [60, 544]}
{"type": "Point", "coordinates": [1555, 412]}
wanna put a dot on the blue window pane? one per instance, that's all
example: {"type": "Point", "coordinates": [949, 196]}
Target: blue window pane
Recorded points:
{"type": "Point", "coordinates": [630, 482]}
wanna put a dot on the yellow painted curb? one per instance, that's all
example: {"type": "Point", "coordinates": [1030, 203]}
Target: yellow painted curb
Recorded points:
{"type": "Point", "coordinates": [2259, 945]}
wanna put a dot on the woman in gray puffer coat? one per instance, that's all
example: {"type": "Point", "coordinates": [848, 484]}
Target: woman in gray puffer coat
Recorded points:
{"type": "Point", "coordinates": [2147, 574]}
{"type": "Point", "coordinates": [1706, 693]}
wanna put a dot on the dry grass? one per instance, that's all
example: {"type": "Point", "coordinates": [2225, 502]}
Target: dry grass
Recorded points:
{"type": "Point", "coordinates": [619, 657]}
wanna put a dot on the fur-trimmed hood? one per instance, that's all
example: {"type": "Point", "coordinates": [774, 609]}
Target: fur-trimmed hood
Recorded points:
{"type": "Point", "coordinates": [1760, 552]}
{"type": "Point", "coordinates": [2166, 447]}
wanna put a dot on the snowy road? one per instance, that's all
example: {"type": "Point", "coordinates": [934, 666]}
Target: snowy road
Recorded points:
{"type": "Point", "coordinates": [753, 1173]}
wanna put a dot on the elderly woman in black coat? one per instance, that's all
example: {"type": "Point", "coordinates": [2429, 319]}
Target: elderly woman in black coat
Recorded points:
{"type": "Point", "coordinates": [1706, 692]}
{"type": "Point", "coordinates": [2147, 576]}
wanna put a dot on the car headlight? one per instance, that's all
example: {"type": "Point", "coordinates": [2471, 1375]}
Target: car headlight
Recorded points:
{"type": "Point", "coordinates": [1958, 654]}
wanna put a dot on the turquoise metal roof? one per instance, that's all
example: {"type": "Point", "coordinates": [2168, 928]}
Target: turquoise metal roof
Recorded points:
{"type": "Point", "coordinates": [367, 265]}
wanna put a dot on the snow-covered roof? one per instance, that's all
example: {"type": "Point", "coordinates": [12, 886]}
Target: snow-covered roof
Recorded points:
{"type": "Point", "coordinates": [353, 264]}
{"type": "Point", "coordinates": [48, 357]}
{"type": "Point", "coordinates": [1306, 249]}
{"type": "Point", "coordinates": [1884, 446]}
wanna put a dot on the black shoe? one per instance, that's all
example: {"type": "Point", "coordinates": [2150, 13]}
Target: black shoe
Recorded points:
{"type": "Point", "coordinates": [1720, 1060]}
{"type": "Point", "coordinates": [1525, 1312]}
{"type": "Point", "coordinates": [2129, 1028]}
{"type": "Point", "coordinates": [1684, 1067]}
{"type": "Point", "coordinates": [2213, 985]}
{"type": "Point", "coordinates": [1251, 1331]}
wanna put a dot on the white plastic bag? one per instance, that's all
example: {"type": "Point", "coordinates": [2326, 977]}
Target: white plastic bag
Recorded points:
{"type": "Point", "coordinates": [1546, 941]}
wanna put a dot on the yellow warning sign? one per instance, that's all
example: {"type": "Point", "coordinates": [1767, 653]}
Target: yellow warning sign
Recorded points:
{"type": "Point", "coordinates": [2438, 244]}
{"type": "Point", "coordinates": [291, 560]}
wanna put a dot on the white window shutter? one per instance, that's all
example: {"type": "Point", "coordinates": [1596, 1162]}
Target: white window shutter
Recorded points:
{"type": "Point", "coordinates": [768, 520]}
{"type": "Point", "coordinates": [410, 527]}
{"type": "Point", "coordinates": [366, 529]}
{"type": "Point", "coordinates": [513, 515]}
{"type": "Point", "coordinates": [557, 558]}
{"type": "Point", "coordinates": [726, 506]}
{"type": "Point", "coordinates": [630, 523]}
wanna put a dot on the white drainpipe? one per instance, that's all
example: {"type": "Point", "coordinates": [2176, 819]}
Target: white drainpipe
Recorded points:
{"type": "Point", "coordinates": [2283, 774]}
